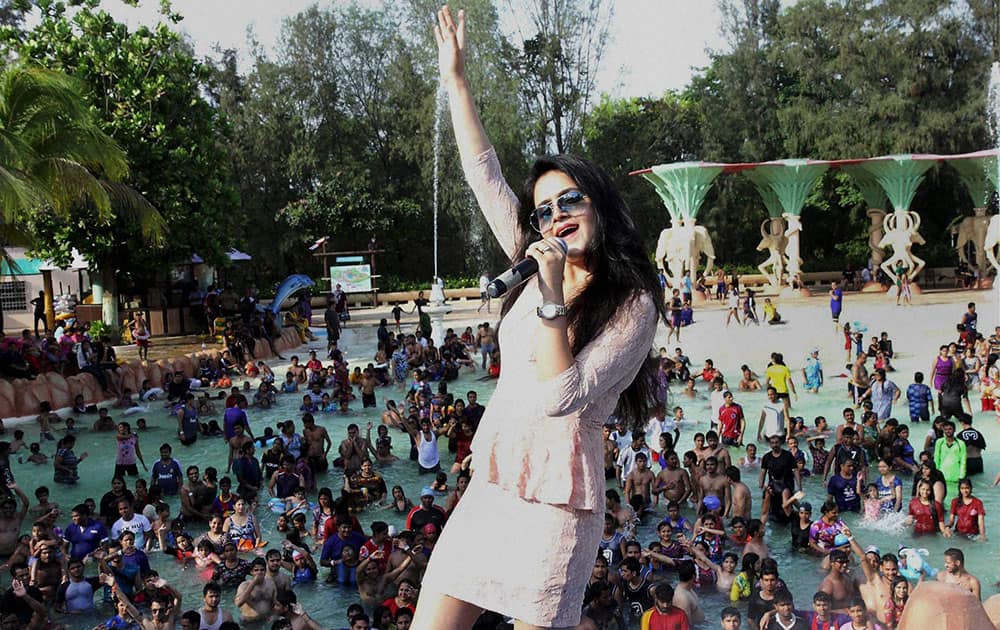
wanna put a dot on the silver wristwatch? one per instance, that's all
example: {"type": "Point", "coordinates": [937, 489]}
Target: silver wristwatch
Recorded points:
{"type": "Point", "coordinates": [551, 310]}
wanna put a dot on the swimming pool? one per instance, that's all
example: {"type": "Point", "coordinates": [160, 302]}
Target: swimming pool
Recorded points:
{"type": "Point", "coordinates": [327, 603]}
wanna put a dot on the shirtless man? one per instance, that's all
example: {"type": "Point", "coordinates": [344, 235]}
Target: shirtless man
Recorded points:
{"type": "Point", "coordinates": [838, 583]}
{"type": "Point", "coordinates": [610, 452]}
{"type": "Point", "coordinates": [372, 583]}
{"type": "Point", "coordinates": [368, 385]}
{"type": "Point", "coordinates": [955, 573]}
{"type": "Point", "coordinates": [298, 371]}
{"type": "Point", "coordinates": [877, 588]}
{"type": "Point", "coordinates": [673, 482]}
{"type": "Point", "coordinates": [715, 484]}
{"type": "Point", "coordinates": [190, 496]}
{"type": "Point", "coordinates": [756, 544]}
{"type": "Point", "coordinates": [860, 378]}
{"type": "Point", "coordinates": [236, 444]}
{"type": "Point", "coordinates": [11, 520]}
{"type": "Point", "coordinates": [287, 606]}
{"type": "Point", "coordinates": [742, 502]}
{"type": "Point", "coordinates": [282, 582]}
{"type": "Point", "coordinates": [318, 444]}
{"type": "Point", "coordinates": [165, 611]}
{"type": "Point", "coordinates": [485, 342]}
{"type": "Point", "coordinates": [640, 480]}
{"type": "Point", "coordinates": [685, 596]}
{"type": "Point", "coordinates": [714, 449]}
{"type": "Point", "coordinates": [408, 556]}
{"type": "Point", "coordinates": [354, 449]}
{"type": "Point", "coordinates": [255, 597]}
{"type": "Point", "coordinates": [47, 571]}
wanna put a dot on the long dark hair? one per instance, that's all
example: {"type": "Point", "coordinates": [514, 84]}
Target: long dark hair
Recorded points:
{"type": "Point", "coordinates": [620, 269]}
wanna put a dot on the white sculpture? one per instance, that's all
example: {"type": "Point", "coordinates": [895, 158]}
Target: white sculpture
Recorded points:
{"type": "Point", "coordinates": [877, 217]}
{"type": "Point", "coordinates": [973, 230]}
{"type": "Point", "coordinates": [901, 232]}
{"type": "Point", "coordinates": [772, 232]}
{"type": "Point", "coordinates": [794, 261]}
{"type": "Point", "coordinates": [991, 240]}
{"type": "Point", "coordinates": [682, 246]}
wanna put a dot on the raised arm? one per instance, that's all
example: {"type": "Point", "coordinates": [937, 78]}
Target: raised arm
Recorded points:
{"type": "Point", "coordinates": [497, 200]}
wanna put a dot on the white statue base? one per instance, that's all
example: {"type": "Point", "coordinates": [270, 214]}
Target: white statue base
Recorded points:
{"type": "Point", "coordinates": [437, 309]}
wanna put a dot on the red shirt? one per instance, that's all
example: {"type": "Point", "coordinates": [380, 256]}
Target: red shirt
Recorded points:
{"type": "Point", "coordinates": [967, 516]}
{"type": "Point", "coordinates": [673, 619]}
{"type": "Point", "coordinates": [924, 521]}
{"type": "Point", "coordinates": [393, 606]}
{"type": "Point", "coordinates": [371, 547]}
{"type": "Point", "coordinates": [729, 421]}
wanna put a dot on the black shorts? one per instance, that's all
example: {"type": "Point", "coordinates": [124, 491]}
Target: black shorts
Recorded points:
{"type": "Point", "coordinates": [973, 465]}
{"type": "Point", "coordinates": [424, 471]}
{"type": "Point", "coordinates": [318, 463]}
{"type": "Point", "coordinates": [728, 441]}
{"type": "Point", "coordinates": [188, 441]}
{"type": "Point", "coordinates": [368, 400]}
{"type": "Point", "coordinates": [782, 395]}
{"type": "Point", "coordinates": [126, 469]}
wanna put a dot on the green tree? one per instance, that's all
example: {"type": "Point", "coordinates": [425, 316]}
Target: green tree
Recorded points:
{"type": "Point", "coordinates": [146, 88]}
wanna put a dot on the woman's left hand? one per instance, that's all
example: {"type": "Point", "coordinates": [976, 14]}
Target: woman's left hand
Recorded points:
{"type": "Point", "coordinates": [550, 253]}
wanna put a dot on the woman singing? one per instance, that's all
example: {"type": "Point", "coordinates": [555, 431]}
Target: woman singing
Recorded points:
{"type": "Point", "coordinates": [575, 341]}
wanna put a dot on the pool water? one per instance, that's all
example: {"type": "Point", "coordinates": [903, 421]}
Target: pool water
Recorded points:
{"type": "Point", "coordinates": [916, 341]}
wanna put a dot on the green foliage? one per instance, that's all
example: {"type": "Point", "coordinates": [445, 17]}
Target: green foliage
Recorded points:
{"type": "Point", "coordinates": [99, 329]}
{"type": "Point", "coordinates": [144, 86]}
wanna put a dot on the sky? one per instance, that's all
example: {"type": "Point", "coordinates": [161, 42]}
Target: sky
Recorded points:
{"type": "Point", "coordinates": [655, 43]}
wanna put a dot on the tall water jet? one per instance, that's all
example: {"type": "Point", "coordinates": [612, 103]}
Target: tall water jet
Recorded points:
{"type": "Point", "coordinates": [437, 308]}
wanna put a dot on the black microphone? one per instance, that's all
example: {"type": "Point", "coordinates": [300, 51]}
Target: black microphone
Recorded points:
{"type": "Point", "coordinates": [518, 274]}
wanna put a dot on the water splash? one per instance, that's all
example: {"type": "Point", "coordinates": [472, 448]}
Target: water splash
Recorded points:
{"type": "Point", "coordinates": [993, 104]}
{"type": "Point", "coordinates": [440, 103]}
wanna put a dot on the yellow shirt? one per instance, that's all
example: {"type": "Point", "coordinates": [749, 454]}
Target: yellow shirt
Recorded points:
{"type": "Point", "coordinates": [779, 375]}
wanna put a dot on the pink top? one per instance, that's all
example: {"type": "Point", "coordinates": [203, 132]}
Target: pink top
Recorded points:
{"type": "Point", "coordinates": [543, 439]}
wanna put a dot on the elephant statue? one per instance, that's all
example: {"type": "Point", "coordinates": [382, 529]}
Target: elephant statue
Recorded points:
{"type": "Point", "coordinates": [680, 248]}
{"type": "Point", "coordinates": [703, 246]}
{"type": "Point", "coordinates": [973, 230]}
{"type": "Point", "coordinates": [774, 242]}
{"type": "Point", "coordinates": [666, 256]}
{"type": "Point", "coordinates": [901, 232]}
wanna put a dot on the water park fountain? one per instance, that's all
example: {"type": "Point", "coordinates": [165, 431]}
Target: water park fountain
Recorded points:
{"type": "Point", "coordinates": [683, 187]}
{"type": "Point", "coordinates": [877, 201]}
{"type": "Point", "coordinates": [974, 173]}
{"type": "Point", "coordinates": [900, 176]}
{"type": "Point", "coordinates": [791, 181]}
{"type": "Point", "coordinates": [437, 308]}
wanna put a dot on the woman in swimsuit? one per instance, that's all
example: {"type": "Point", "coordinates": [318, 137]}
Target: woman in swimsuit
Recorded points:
{"type": "Point", "coordinates": [243, 527]}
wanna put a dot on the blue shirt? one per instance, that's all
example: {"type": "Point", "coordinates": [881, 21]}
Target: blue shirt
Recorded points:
{"type": "Point", "coordinates": [918, 395]}
{"type": "Point", "coordinates": [334, 545]}
{"type": "Point", "coordinates": [837, 301]}
{"type": "Point", "coordinates": [167, 476]}
{"type": "Point", "coordinates": [844, 492]}
{"type": "Point", "coordinates": [232, 417]}
{"type": "Point", "coordinates": [84, 540]}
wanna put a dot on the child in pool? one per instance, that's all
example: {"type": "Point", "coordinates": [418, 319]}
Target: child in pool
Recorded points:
{"type": "Point", "coordinates": [204, 555]}
{"type": "Point", "coordinates": [290, 386]}
{"type": "Point", "coordinates": [873, 505]}
{"type": "Point", "coordinates": [37, 456]}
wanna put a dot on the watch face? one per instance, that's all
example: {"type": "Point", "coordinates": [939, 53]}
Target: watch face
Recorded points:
{"type": "Point", "coordinates": [549, 310]}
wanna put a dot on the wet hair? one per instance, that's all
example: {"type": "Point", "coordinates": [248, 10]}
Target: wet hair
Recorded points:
{"type": "Point", "coordinates": [620, 269]}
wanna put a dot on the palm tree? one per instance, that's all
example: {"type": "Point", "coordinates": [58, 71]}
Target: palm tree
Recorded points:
{"type": "Point", "coordinates": [56, 160]}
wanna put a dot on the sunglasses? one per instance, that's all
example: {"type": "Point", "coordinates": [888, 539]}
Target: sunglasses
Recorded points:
{"type": "Point", "coordinates": [570, 202]}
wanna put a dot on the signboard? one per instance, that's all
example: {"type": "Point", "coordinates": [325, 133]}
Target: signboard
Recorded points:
{"type": "Point", "coordinates": [352, 278]}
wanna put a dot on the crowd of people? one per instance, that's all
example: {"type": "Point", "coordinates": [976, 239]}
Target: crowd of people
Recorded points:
{"type": "Point", "coordinates": [709, 539]}
{"type": "Point", "coordinates": [108, 552]}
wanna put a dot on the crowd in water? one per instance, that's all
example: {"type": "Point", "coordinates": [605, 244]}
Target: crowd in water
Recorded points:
{"type": "Point", "coordinates": [709, 538]}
